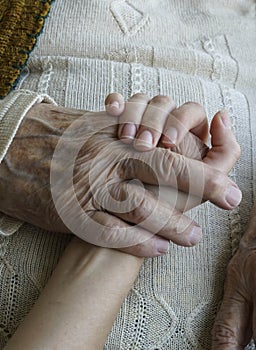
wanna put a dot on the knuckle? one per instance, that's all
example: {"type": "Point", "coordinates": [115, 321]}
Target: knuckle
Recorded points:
{"type": "Point", "coordinates": [111, 236]}
{"type": "Point", "coordinates": [142, 249]}
{"type": "Point", "coordinates": [141, 210]}
{"type": "Point", "coordinates": [140, 96]}
{"type": "Point", "coordinates": [195, 105]}
{"type": "Point", "coordinates": [163, 99]}
{"type": "Point", "coordinates": [171, 166]}
{"type": "Point", "coordinates": [222, 334]}
{"type": "Point", "coordinates": [196, 108]}
{"type": "Point", "coordinates": [215, 184]}
{"type": "Point", "coordinates": [148, 248]}
{"type": "Point", "coordinates": [179, 168]}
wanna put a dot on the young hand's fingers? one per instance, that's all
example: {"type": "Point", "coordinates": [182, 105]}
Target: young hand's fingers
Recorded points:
{"type": "Point", "coordinates": [114, 104]}
{"type": "Point", "coordinates": [152, 122]}
{"type": "Point", "coordinates": [190, 116]}
{"type": "Point", "coordinates": [161, 166]}
{"type": "Point", "coordinates": [130, 119]}
{"type": "Point", "coordinates": [225, 150]}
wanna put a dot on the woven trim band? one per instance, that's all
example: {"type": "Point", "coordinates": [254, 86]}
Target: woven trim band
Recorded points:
{"type": "Point", "coordinates": [21, 21]}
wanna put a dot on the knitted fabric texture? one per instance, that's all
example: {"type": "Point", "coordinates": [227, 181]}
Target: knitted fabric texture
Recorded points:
{"type": "Point", "coordinates": [20, 24]}
{"type": "Point", "coordinates": [191, 50]}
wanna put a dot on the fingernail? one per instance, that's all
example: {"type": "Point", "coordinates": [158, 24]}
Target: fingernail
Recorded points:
{"type": "Point", "coordinates": [233, 196]}
{"type": "Point", "coordinates": [195, 235]}
{"type": "Point", "coordinates": [114, 104]}
{"type": "Point", "coordinates": [144, 139]}
{"type": "Point", "coordinates": [162, 246]}
{"type": "Point", "coordinates": [170, 136]}
{"type": "Point", "coordinates": [225, 119]}
{"type": "Point", "coordinates": [128, 131]}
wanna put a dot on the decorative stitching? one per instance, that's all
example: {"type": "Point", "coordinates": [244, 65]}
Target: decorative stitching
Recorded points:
{"type": "Point", "coordinates": [137, 83]}
{"type": "Point", "coordinates": [45, 78]}
{"type": "Point", "coordinates": [128, 17]}
{"type": "Point", "coordinates": [217, 59]}
{"type": "Point", "coordinates": [234, 215]}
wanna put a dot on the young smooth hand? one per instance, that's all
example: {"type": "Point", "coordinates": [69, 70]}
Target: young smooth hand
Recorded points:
{"type": "Point", "coordinates": [146, 123]}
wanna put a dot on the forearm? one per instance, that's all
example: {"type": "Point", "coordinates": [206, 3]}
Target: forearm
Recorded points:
{"type": "Point", "coordinates": [80, 302]}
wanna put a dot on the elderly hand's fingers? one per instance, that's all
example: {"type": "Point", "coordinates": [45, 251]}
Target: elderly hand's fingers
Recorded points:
{"type": "Point", "coordinates": [132, 203]}
{"type": "Point", "coordinates": [154, 246]}
{"type": "Point", "coordinates": [233, 325]}
{"type": "Point", "coordinates": [152, 122]}
{"type": "Point", "coordinates": [163, 167]}
{"type": "Point", "coordinates": [190, 116]}
{"type": "Point", "coordinates": [225, 150]}
{"type": "Point", "coordinates": [115, 104]}
{"type": "Point", "coordinates": [191, 147]}
{"type": "Point", "coordinates": [106, 230]}
{"type": "Point", "coordinates": [180, 200]}
{"type": "Point", "coordinates": [232, 329]}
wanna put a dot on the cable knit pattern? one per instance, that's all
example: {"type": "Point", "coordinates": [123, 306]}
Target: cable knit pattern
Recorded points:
{"type": "Point", "coordinates": [196, 50]}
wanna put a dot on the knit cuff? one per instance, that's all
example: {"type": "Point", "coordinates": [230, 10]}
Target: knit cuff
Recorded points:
{"type": "Point", "coordinates": [13, 109]}
{"type": "Point", "coordinates": [9, 225]}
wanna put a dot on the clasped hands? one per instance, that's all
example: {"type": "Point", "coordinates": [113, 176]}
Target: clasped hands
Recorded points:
{"type": "Point", "coordinates": [67, 171]}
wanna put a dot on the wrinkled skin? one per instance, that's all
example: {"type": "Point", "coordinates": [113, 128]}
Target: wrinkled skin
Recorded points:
{"type": "Point", "coordinates": [34, 181]}
{"type": "Point", "coordinates": [235, 324]}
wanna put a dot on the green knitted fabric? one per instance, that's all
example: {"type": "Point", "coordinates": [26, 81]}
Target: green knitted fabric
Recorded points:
{"type": "Point", "coordinates": [21, 21]}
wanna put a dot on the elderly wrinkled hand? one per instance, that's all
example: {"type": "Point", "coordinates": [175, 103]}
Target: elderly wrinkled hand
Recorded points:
{"type": "Point", "coordinates": [67, 171]}
{"type": "Point", "coordinates": [235, 323]}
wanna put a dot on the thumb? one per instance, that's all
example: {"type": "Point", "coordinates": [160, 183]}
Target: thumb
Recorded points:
{"type": "Point", "coordinates": [225, 150]}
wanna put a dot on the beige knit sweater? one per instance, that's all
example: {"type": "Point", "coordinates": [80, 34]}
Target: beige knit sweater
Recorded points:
{"type": "Point", "coordinates": [192, 50]}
